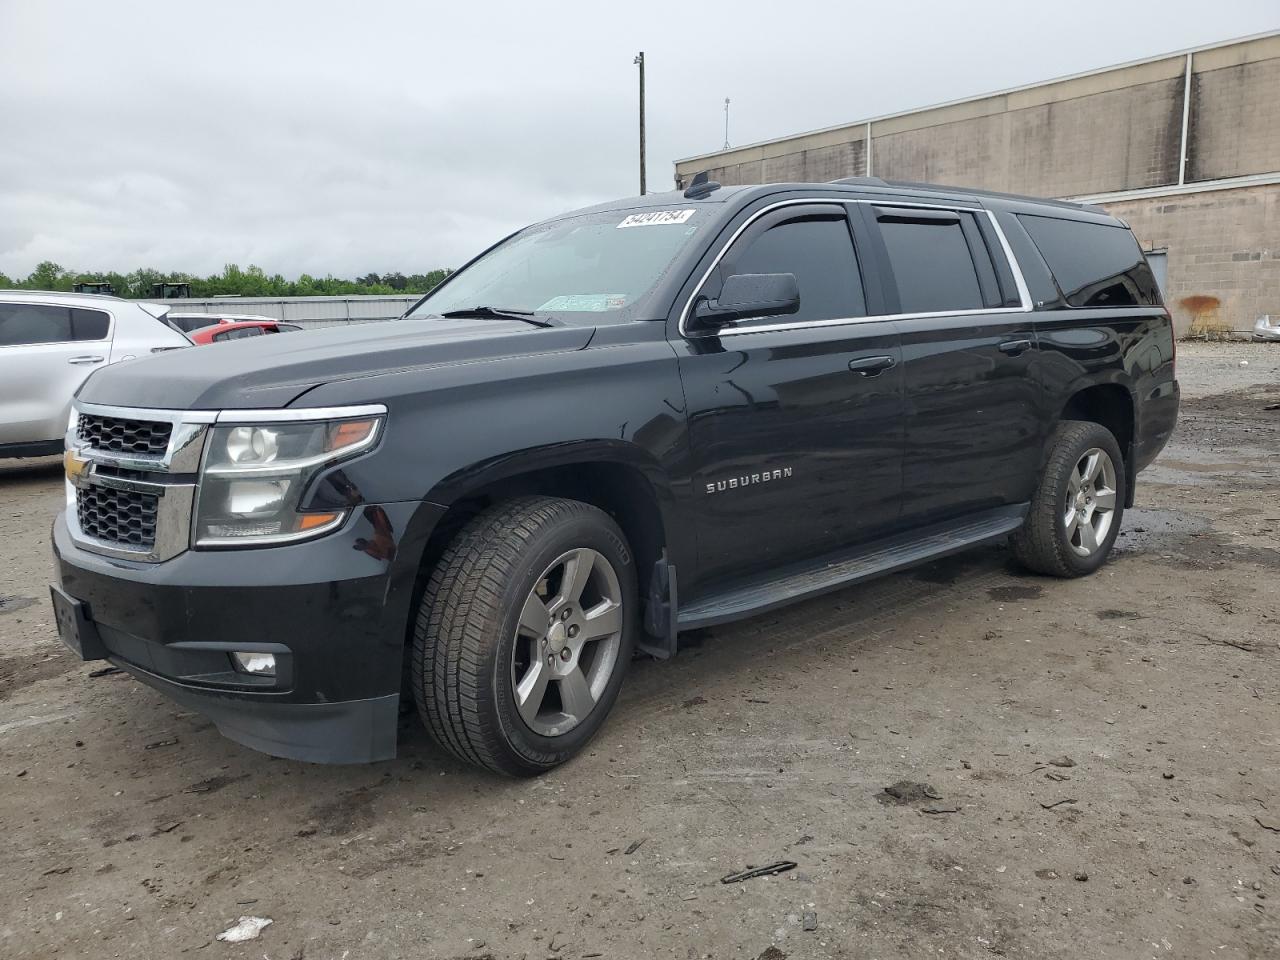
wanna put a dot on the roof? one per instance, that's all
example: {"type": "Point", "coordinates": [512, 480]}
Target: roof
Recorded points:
{"type": "Point", "coordinates": [58, 295]}
{"type": "Point", "coordinates": [977, 194]}
{"type": "Point", "coordinates": [864, 186]}
{"type": "Point", "coordinates": [664, 199]}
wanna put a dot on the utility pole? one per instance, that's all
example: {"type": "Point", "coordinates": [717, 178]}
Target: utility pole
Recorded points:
{"type": "Point", "coordinates": [726, 123]}
{"type": "Point", "coordinates": [639, 61]}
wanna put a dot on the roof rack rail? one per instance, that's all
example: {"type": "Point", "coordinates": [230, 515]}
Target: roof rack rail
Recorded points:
{"type": "Point", "coordinates": [864, 181]}
{"type": "Point", "coordinates": [701, 186]}
{"type": "Point", "coordinates": [975, 191]}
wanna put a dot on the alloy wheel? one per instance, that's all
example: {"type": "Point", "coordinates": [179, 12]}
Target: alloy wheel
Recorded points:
{"type": "Point", "coordinates": [567, 642]}
{"type": "Point", "coordinates": [1091, 501]}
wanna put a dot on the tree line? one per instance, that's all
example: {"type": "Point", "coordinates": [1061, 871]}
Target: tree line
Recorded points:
{"type": "Point", "coordinates": [233, 281]}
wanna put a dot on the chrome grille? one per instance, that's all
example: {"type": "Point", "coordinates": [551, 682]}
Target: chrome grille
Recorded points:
{"type": "Point", "coordinates": [131, 479]}
{"type": "Point", "coordinates": [123, 517]}
{"type": "Point", "coordinates": [121, 435]}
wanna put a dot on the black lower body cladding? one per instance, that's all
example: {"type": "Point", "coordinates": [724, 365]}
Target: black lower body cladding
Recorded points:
{"type": "Point", "coordinates": [333, 611]}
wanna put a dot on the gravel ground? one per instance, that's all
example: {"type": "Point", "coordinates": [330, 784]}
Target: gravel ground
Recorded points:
{"type": "Point", "coordinates": [1087, 769]}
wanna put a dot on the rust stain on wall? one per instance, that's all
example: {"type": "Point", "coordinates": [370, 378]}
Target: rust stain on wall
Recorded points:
{"type": "Point", "coordinates": [1206, 318]}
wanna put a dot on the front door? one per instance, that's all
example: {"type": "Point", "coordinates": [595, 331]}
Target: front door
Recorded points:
{"type": "Point", "coordinates": [795, 421]}
{"type": "Point", "coordinates": [974, 414]}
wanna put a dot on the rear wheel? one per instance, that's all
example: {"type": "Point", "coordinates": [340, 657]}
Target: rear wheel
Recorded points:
{"type": "Point", "coordinates": [524, 633]}
{"type": "Point", "coordinates": [1076, 511]}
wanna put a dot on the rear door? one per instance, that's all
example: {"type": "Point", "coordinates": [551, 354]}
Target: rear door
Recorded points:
{"type": "Point", "coordinates": [46, 351]}
{"type": "Point", "coordinates": [974, 410]}
{"type": "Point", "coordinates": [795, 421]}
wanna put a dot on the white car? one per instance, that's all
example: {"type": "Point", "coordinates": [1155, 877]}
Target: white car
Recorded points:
{"type": "Point", "coordinates": [49, 342]}
{"type": "Point", "coordinates": [1267, 328]}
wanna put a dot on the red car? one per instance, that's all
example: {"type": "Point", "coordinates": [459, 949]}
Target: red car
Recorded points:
{"type": "Point", "coordinates": [220, 332]}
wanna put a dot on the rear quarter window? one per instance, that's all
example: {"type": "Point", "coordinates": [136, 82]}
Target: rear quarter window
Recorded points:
{"type": "Point", "coordinates": [89, 324]}
{"type": "Point", "coordinates": [1095, 264]}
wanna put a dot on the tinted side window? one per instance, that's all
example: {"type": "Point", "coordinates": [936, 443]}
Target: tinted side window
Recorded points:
{"type": "Point", "coordinates": [1040, 283]}
{"type": "Point", "coordinates": [1096, 265]}
{"type": "Point", "coordinates": [932, 264]}
{"type": "Point", "coordinates": [89, 324]}
{"type": "Point", "coordinates": [819, 251]}
{"type": "Point", "coordinates": [25, 323]}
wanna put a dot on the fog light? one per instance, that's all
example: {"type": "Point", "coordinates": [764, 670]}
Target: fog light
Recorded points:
{"type": "Point", "coordinates": [256, 664]}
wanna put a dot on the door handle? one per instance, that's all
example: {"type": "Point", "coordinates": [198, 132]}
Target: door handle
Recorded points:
{"type": "Point", "coordinates": [85, 359]}
{"type": "Point", "coordinates": [872, 366]}
{"type": "Point", "coordinates": [1015, 347]}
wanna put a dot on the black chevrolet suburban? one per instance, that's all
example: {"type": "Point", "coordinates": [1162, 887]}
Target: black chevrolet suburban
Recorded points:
{"type": "Point", "coordinates": [637, 419]}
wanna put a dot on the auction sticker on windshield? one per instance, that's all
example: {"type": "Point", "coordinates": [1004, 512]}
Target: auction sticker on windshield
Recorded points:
{"type": "Point", "coordinates": [585, 303]}
{"type": "Point", "coordinates": [656, 219]}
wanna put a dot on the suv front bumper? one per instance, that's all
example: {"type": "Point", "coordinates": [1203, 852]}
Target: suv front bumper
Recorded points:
{"type": "Point", "coordinates": [333, 611]}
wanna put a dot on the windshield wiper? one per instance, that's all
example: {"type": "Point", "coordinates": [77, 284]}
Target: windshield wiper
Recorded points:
{"type": "Point", "coordinates": [497, 313]}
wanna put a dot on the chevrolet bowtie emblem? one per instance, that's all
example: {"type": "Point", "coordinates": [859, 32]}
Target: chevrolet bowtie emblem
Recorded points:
{"type": "Point", "coordinates": [77, 468]}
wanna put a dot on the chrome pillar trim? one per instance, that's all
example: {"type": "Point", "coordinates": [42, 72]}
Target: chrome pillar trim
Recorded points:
{"type": "Point", "coordinates": [1024, 292]}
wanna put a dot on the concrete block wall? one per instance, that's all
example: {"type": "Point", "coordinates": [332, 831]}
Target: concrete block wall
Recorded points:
{"type": "Point", "coordinates": [1113, 131]}
{"type": "Point", "coordinates": [1110, 131]}
{"type": "Point", "coordinates": [1235, 119]}
{"type": "Point", "coordinates": [1224, 254]}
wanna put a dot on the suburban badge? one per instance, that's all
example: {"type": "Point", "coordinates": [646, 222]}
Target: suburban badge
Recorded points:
{"type": "Point", "coordinates": [749, 480]}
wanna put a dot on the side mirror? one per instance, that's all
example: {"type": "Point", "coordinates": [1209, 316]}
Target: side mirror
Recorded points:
{"type": "Point", "coordinates": [748, 295]}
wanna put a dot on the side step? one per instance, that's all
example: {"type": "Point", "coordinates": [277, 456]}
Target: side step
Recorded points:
{"type": "Point", "coordinates": [836, 570]}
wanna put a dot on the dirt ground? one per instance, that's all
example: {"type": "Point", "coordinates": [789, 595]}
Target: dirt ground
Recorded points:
{"type": "Point", "coordinates": [1102, 761]}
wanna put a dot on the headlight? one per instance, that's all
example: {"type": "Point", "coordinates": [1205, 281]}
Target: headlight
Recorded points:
{"type": "Point", "coordinates": [254, 476]}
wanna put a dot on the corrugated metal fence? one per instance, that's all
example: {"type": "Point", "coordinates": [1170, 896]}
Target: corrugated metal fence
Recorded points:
{"type": "Point", "coordinates": [307, 311]}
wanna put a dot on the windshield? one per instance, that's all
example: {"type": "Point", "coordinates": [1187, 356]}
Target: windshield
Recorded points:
{"type": "Point", "coordinates": [600, 263]}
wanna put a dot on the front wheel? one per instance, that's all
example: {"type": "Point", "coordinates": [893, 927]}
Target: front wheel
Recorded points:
{"type": "Point", "coordinates": [524, 633]}
{"type": "Point", "coordinates": [1076, 511]}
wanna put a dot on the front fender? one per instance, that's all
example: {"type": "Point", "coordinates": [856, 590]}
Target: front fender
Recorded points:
{"type": "Point", "coordinates": [455, 429]}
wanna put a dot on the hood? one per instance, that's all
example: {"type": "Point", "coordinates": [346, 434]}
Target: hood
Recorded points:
{"type": "Point", "coordinates": [272, 371]}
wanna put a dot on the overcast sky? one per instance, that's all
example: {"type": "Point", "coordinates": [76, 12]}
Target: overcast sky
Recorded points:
{"type": "Point", "coordinates": [345, 137]}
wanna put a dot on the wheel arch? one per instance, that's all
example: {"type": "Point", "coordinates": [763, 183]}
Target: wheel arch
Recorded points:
{"type": "Point", "coordinates": [1110, 404]}
{"type": "Point", "coordinates": [618, 477]}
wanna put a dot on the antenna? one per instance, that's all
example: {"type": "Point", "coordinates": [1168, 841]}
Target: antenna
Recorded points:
{"type": "Point", "coordinates": [726, 123]}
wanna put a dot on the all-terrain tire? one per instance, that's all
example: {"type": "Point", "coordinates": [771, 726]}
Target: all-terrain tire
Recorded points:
{"type": "Point", "coordinates": [461, 665]}
{"type": "Point", "coordinates": [1044, 543]}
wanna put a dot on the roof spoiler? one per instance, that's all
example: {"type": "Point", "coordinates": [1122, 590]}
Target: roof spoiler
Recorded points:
{"type": "Point", "coordinates": [156, 310]}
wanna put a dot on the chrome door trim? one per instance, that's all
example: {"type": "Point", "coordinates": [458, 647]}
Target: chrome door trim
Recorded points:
{"type": "Point", "coordinates": [726, 330]}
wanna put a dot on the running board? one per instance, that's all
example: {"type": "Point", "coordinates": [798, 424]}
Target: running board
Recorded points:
{"type": "Point", "coordinates": [836, 570]}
